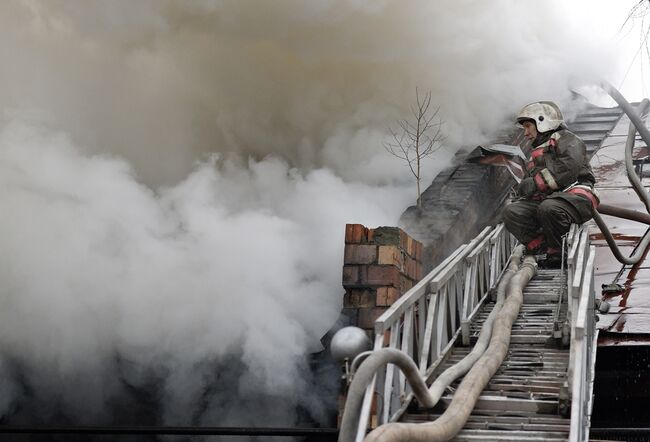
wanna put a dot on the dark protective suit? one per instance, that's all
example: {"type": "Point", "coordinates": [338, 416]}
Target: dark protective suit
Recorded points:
{"type": "Point", "coordinates": [563, 193]}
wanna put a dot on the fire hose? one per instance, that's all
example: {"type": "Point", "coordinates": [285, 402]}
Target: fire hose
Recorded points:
{"type": "Point", "coordinates": [467, 393]}
{"type": "Point", "coordinates": [636, 125]}
{"type": "Point", "coordinates": [484, 360]}
{"type": "Point", "coordinates": [463, 366]}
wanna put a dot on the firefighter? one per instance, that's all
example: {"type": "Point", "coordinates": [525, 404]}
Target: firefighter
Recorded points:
{"type": "Point", "coordinates": [558, 188]}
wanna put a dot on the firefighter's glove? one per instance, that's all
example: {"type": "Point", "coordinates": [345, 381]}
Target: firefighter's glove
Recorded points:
{"type": "Point", "coordinates": [526, 188]}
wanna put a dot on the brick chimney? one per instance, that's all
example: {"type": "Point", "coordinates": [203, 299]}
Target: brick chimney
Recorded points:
{"type": "Point", "coordinates": [380, 265]}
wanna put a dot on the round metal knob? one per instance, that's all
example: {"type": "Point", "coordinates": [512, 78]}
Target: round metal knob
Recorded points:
{"type": "Point", "coordinates": [348, 342]}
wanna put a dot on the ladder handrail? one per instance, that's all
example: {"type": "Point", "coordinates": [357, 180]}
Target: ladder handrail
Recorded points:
{"type": "Point", "coordinates": [582, 362]}
{"type": "Point", "coordinates": [424, 321]}
{"type": "Point", "coordinates": [427, 320]}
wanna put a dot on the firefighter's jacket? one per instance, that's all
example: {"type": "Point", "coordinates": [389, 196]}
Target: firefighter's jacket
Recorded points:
{"type": "Point", "coordinates": [560, 169]}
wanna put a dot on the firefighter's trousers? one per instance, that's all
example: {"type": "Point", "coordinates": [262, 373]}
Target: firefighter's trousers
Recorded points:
{"type": "Point", "coordinates": [551, 217]}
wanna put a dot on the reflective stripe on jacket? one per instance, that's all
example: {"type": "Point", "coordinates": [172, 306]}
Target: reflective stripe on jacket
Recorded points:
{"type": "Point", "coordinates": [559, 163]}
{"type": "Point", "coordinates": [586, 191]}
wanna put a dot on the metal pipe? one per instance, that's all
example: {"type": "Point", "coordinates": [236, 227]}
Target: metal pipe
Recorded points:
{"type": "Point", "coordinates": [611, 242]}
{"type": "Point", "coordinates": [485, 361]}
{"type": "Point", "coordinates": [619, 212]}
{"type": "Point", "coordinates": [636, 124]}
{"type": "Point", "coordinates": [462, 404]}
{"type": "Point", "coordinates": [370, 362]}
{"type": "Point", "coordinates": [464, 365]}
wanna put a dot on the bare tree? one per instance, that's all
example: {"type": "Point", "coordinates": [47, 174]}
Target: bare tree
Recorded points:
{"type": "Point", "coordinates": [639, 13]}
{"type": "Point", "coordinates": [417, 137]}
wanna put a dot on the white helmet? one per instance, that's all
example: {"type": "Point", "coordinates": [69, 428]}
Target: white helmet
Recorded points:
{"type": "Point", "coordinates": [545, 114]}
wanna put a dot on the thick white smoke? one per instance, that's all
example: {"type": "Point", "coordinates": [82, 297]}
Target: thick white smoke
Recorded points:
{"type": "Point", "coordinates": [175, 177]}
{"type": "Point", "coordinates": [233, 260]}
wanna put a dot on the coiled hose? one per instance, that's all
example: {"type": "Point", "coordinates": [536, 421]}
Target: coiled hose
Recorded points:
{"type": "Point", "coordinates": [483, 362]}
{"type": "Point", "coordinates": [472, 385]}
{"type": "Point", "coordinates": [464, 400]}
{"type": "Point", "coordinates": [464, 365]}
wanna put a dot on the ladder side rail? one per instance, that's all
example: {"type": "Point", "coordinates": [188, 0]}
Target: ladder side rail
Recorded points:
{"type": "Point", "coordinates": [368, 399]}
{"type": "Point", "coordinates": [582, 346]}
{"type": "Point", "coordinates": [409, 299]}
{"type": "Point", "coordinates": [573, 239]}
{"type": "Point", "coordinates": [590, 344]}
{"type": "Point", "coordinates": [575, 288]}
{"type": "Point", "coordinates": [572, 263]}
{"type": "Point", "coordinates": [475, 283]}
{"type": "Point", "coordinates": [468, 293]}
{"type": "Point", "coordinates": [579, 266]}
{"type": "Point", "coordinates": [416, 304]}
{"type": "Point", "coordinates": [429, 331]}
{"type": "Point", "coordinates": [422, 323]}
{"type": "Point", "coordinates": [501, 239]}
{"type": "Point", "coordinates": [390, 394]}
{"type": "Point", "coordinates": [408, 339]}
{"type": "Point", "coordinates": [497, 250]}
{"type": "Point", "coordinates": [442, 322]}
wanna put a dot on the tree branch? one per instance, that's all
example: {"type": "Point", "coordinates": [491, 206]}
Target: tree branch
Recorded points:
{"type": "Point", "coordinates": [417, 138]}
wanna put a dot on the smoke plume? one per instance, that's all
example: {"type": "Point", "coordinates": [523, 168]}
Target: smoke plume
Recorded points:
{"type": "Point", "coordinates": [175, 177]}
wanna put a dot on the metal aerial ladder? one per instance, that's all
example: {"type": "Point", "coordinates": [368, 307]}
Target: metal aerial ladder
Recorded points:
{"type": "Point", "coordinates": [543, 388]}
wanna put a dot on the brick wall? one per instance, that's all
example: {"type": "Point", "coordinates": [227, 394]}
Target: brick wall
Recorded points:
{"type": "Point", "coordinates": [379, 266]}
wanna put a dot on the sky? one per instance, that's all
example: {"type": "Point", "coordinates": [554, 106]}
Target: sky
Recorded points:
{"type": "Point", "coordinates": [611, 22]}
{"type": "Point", "coordinates": [176, 176]}
{"type": "Point", "coordinates": [633, 40]}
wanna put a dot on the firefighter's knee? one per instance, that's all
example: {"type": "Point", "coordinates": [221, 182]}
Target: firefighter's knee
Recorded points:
{"type": "Point", "coordinates": [514, 214]}
{"type": "Point", "coordinates": [547, 209]}
{"type": "Point", "coordinates": [509, 216]}
{"type": "Point", "coordinates": [552, 208]}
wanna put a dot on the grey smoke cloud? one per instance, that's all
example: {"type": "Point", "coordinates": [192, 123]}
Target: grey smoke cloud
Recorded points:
{"type": "Point", "coordinates": [159, 82]}
{"type": "Point", "coordinates": [228, 261]}
{"type": "Point", "coordinates": [175, 177]}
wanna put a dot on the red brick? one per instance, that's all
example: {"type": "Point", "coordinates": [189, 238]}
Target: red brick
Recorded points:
{"type": "Point", "coordinates": [405, 284]}
{"type": "Point", "coordinates": [355, 276]}
{"type": "Point", "coordinates": [383, 275]}
{"type": "Point", "coordinates": [408, 266]}
{"type": "Point", "coordinates": [368, 316]}
{"type": "Point", "coordinates": [355, 234]}
{"type": "Point", "coordinates": [413, 269]}
{"type": "Point", "coordinates": [410, 250]}
{"type": "Point", "coordinates": [382, 294]}
{"type": "Point", "coordinates": [349, 231]}
{"type": "Point", "coordinates": [418, 251]}
{"type": "Point", "coordinates": [350, 275]}
{"type": "Point", "coordinates": [403, 240]}
{"type": "Point", "coordinates": [357, 298]}
{"type": "Point", "coordinates": [393, 295]}
{"type": "Point", "coordinates": [352, 315]}
{"type": "Point", "coordinates": [360, 254]}
{"type": "Point", "coordinates": [371, 235]}
{"type": "Point", "coordinates": [360, 234]}
{"type": "Point", "coordinates": [363, 233]}
{"type": "Point", "coordinates": [386, 296]}
{"type": "Point", "coordinates": [418, 271]}
{"type": "Point", "coordinates": [390, 255]}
